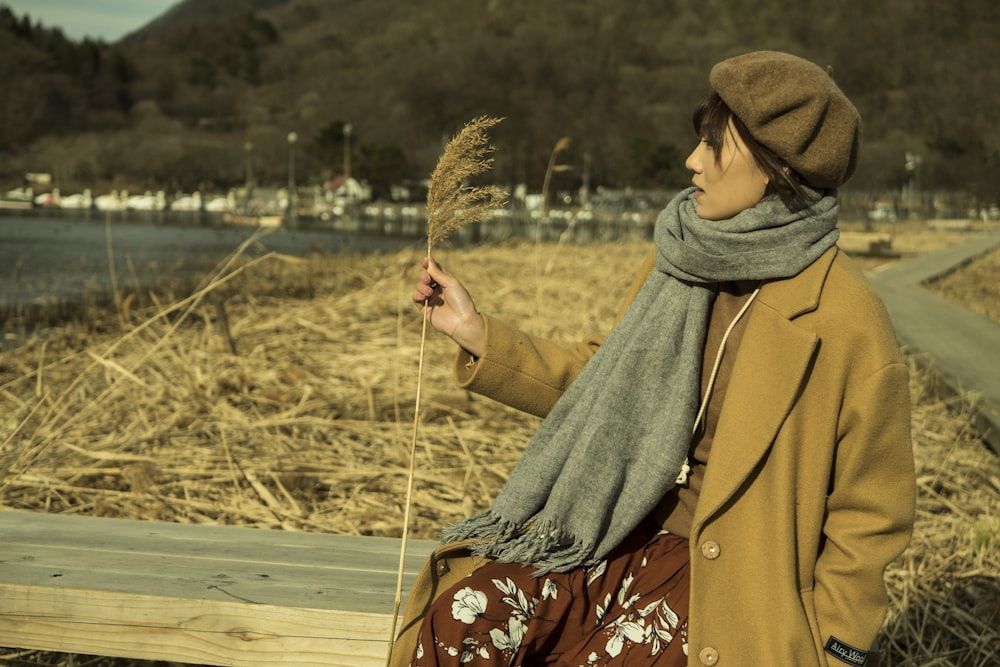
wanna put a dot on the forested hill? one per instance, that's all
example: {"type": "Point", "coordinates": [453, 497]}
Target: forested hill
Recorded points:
{"type": "Point", "coordinates": [213, 86]}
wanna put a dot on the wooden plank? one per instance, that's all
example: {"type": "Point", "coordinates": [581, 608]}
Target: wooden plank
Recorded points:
{"type": "Point", "coordinates": [181, 576]}
{"type": "Point", "coordinates": [198, 594]}
{"type": "Point", "coordinates": [231, 541]}
{"type": "Point", "coordinates": [201, 632]}
{"type": "Point", "coordinates": [320, 571]}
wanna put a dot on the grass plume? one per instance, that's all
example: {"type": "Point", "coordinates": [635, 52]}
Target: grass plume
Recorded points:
{"type": "Point", "coordinates": [451, 202]}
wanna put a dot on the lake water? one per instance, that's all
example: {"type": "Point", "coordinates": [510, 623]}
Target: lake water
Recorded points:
{"type": "Point", "coordinates": [45, 259]}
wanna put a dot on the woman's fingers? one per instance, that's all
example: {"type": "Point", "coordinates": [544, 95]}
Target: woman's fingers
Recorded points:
{"type": "Point", "coordinates": [429, 285]}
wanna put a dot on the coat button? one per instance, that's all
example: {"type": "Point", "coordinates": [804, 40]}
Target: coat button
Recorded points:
{"type": "Point", "coordinates": [711, 549]}
{"type": "Point", "coordinates": [442, 567]}
{"type": "Point", "coordinates": [709, 656]}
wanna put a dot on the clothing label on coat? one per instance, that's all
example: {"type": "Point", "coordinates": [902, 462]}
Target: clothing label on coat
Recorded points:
{"type": "Point", "coordinates": [846, 652]}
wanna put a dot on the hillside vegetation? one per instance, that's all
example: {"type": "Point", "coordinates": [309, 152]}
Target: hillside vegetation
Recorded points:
{"type": "Point", "coordinates": [207, 94]}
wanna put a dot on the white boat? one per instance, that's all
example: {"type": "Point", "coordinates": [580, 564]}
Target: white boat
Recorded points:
{"type": "Point", "coordinates": [113, 201]}
{"type": "Point", "coordinates": [17, 198]}
{"type": "Point", "coordinates": [79, 200]}
{"type": "Point", "coordinates": [146, 202]}
{"type": "Point", "coordinates": [48, 198]}
{"type": "Point", "coordinates": [221, 204]}
{"type": "Point", "coordinates": [183, 202]}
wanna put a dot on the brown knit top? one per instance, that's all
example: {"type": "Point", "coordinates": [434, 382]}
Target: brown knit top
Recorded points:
{"type": "Point", "coordinates": [676, 511]}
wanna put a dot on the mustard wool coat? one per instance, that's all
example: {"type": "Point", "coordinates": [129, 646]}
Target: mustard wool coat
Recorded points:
{"type": "Point", "coordinates": [809, 491]}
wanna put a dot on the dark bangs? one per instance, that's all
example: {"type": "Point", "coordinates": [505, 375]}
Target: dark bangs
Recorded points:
{"type": "Point", "coordinates": [711, 122]}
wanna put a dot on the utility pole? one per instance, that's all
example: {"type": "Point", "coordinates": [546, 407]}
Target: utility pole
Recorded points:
{"type": "Point", "coordinates": [915, 203]}
{"type": "Point", "coordinates": [248, 149]}
{"type": "Point", "coordinates": [347, 150]}
{"type": "Point", "coordinates": [292, 138]}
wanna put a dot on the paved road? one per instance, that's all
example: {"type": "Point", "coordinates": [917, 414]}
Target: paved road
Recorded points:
{"type": "Point", "coordinates": [958, 345]}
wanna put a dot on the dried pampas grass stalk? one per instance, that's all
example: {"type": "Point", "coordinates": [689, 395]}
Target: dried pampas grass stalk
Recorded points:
{"type": "Point", "coordinates": [451, 204]}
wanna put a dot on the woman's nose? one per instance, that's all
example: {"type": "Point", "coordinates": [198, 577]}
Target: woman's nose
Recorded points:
{"type": "Point", "coordinates": [693, 161]}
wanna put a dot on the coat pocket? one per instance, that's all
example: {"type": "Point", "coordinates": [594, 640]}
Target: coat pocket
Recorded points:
{"type": "Point", "coordinates": [446, 566]}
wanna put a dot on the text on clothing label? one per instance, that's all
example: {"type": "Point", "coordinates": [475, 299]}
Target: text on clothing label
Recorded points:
{"type": "Point", "coordinates": [846, 652]}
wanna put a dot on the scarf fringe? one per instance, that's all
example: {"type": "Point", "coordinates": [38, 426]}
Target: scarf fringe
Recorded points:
{"type": "Point", "coordinates": [540, 544]}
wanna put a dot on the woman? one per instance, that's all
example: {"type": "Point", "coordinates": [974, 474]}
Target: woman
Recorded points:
{"type": "Point", "coordinates": [620, 538]}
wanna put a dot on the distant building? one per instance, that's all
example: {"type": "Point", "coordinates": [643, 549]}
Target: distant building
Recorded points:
{"type": "Point", "coordinates": [345, 190]}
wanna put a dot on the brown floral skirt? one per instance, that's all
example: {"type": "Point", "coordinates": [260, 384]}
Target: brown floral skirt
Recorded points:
{"type": "Point", "coordinates": [630, 609]}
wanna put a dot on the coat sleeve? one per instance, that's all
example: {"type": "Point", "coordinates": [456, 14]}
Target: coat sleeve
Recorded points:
{"type": "Point", "coordinates": [520, 370]}
{"type": "Point", "coordinates": [870, 510]}
{"type": "Point", "coordinates": [527, 372]}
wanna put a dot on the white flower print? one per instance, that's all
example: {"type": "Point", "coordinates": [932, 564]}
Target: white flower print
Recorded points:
{"type": "Point", "coordinates": [661, 638]}
{"type": "Point", "coordinates": [549, 590]}
{"type": "Point", "coordinates": [510, 640]}
{"type": "Point", "coordinates": [633, 623]}
{"type": "Point", "coordinates": [516, 598]}
{"type": "Point", "coordinates": [621, 631]}
{"type": "Point", "coordinates": [596, 572]}
{"type": "Point", "coordinates": [668, 615]}
{"type": "Point", "coordinates": [601, 610]}
{"type": "Point", "coordinates": [650, 608]}
{"type": "Point", "coordinates": [623, 601]}
{"type": "Point", "coordinates": [664, 622]}
{"type": "Point", "coordinates": [473, 649]}
{"type": "Point", "coordinates": [468, 605]}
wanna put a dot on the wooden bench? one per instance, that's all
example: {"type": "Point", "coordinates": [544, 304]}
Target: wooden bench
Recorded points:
{"type": "Point", "coordinates": [197, 594]}
{"type": "Point", "coordinates": [872, 244]}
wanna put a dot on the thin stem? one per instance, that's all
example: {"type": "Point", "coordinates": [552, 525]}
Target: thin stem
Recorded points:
{"type": "Point", "coordinates": [397, 601]}
{"type": "Point", "coordinates": [409, 495]}
{"type": "Point", "coordinates": [113, 274]}
{"type": "Point", "coordinates": [450, 206]}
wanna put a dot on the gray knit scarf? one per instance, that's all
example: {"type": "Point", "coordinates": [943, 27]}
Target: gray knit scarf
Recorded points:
{"type": "Point", "coordinates": [612, 446]}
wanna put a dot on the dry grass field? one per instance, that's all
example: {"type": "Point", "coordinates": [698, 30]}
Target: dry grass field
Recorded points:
{"type": "Point", "coordinates": [281, 395]}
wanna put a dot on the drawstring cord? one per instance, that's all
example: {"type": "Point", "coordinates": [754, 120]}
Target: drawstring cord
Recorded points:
{"type": "Point", "coordinates": [682, 476]}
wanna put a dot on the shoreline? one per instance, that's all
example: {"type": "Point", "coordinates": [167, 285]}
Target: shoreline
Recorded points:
{"type": "Point", "coordinates": [60, 259]}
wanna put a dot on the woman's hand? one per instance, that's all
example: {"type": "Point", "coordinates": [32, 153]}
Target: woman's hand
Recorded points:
{"type": "Point", "coordinates": [449, 307]}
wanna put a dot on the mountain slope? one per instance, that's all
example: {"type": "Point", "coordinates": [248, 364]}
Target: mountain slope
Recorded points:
{"type": "Point", "coordinates": [212, 89]}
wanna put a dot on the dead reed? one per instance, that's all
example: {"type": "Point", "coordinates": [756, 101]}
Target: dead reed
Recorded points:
{"type": "Point", "coordinates": [452, 203]}
{"type": "Point", "coordinates": [452, 200]}
{"type": "Point", "coordinates": [302, 427]}
{"type": "Point", "coordinates": [945, 589]}
{"type": "Point", "coordinates": [975, 285]}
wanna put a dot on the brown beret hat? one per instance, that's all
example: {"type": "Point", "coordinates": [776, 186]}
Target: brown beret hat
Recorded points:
{"type": "Point", "coordinates": [793, 107]}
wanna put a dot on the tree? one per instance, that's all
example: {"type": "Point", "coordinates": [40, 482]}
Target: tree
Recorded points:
{"type": "Point", "coordinates": [382, 167]}
{"type": "Point", "coordinates": [327, 148]}
{"type": "Point", "coordinates": [654, 164]}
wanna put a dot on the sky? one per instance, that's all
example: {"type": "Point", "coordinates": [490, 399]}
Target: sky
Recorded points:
{"type": "Point", "coordinates": [108, 20]}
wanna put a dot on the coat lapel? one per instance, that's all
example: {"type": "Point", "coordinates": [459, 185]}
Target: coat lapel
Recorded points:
{"type": "Point", "coordinates": [773, 360]}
